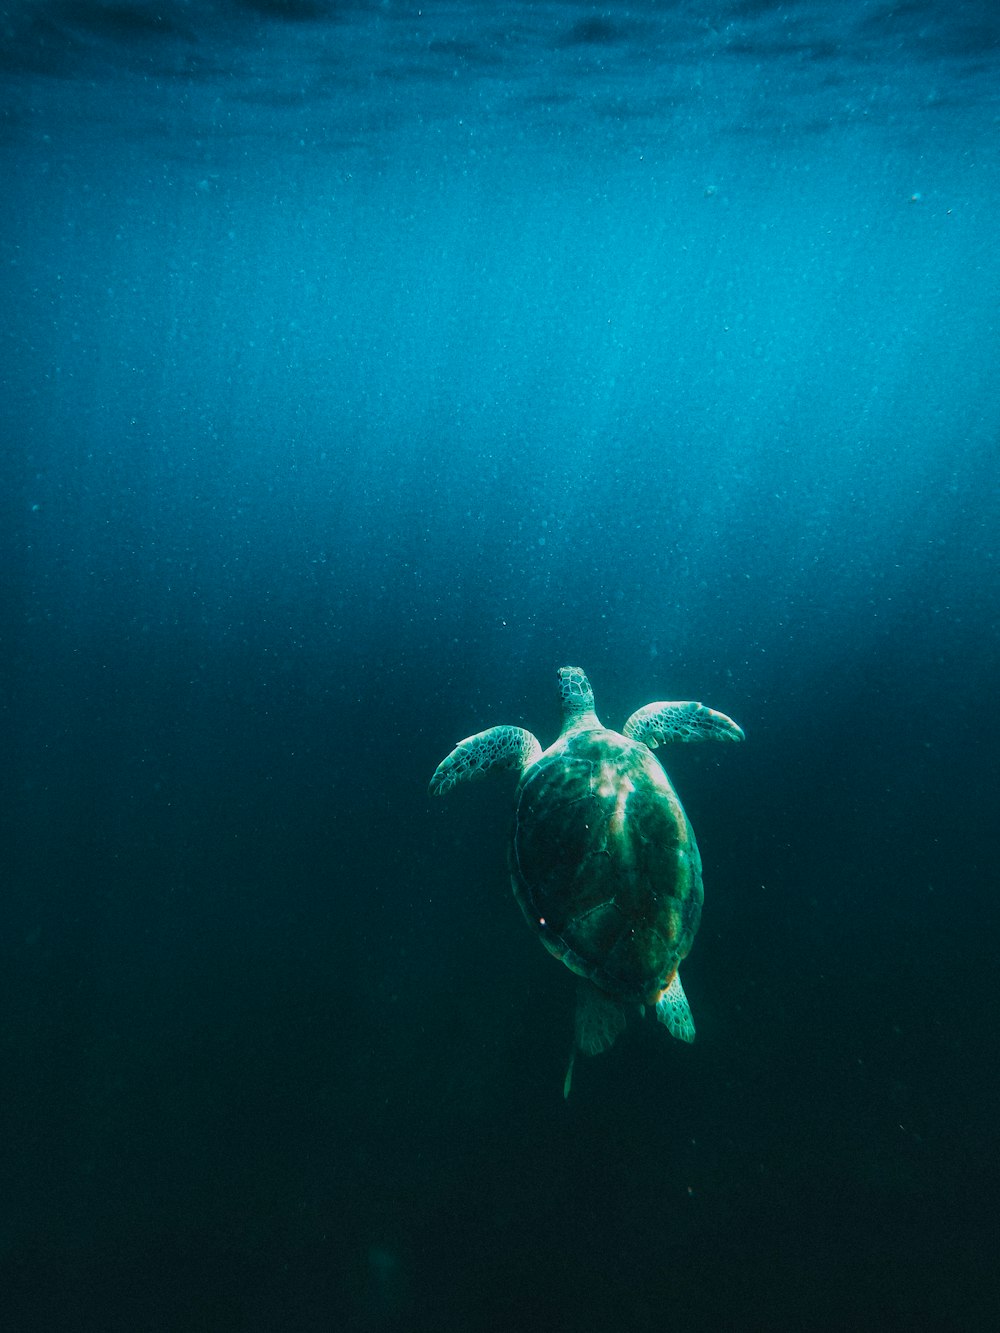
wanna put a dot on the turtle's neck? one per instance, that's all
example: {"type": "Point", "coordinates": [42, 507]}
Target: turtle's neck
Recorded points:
{"type": "Point", "coordinates": [584, 720]}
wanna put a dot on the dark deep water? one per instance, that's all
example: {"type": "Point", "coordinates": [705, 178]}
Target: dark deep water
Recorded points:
{"type": "Point", "coordinates": [361, 366]}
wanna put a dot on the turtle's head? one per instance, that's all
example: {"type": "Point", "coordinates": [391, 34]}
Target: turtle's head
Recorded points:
{"type": "Point", "coordinates": [577, 696]}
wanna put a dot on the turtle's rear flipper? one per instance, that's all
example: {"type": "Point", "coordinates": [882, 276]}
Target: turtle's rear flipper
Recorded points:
{"type": "Point", "coordinates": [599, 1020]}
{"type": "Point", "coordinates": [674, 1012]}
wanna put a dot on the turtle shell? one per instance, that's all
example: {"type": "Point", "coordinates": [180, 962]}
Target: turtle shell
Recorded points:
{"type": "Point", "coordinates": [604, 863]}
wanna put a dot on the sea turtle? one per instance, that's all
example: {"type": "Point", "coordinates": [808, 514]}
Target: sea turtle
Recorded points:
{"type": "Point", "coordinates": [602, 858]}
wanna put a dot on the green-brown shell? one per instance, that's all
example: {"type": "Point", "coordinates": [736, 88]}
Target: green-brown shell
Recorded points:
{"type": "Point", "coordinates": [604, 863]}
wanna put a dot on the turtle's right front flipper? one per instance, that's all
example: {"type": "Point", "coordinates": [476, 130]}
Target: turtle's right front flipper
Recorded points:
{"type": "Point", "coordinates": [499, 747]}
{"type": "Point", "coordinates": [680, 721]}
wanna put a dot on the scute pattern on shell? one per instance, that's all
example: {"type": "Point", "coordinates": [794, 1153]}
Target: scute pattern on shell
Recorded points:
{"type": "Point", "coordinates": [604, 864]}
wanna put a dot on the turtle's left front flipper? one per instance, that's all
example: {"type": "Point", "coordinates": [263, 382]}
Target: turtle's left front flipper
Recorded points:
{"type": "Point", "coordinates": [685, 721]}
{"type": "Point", "coordinates": [499, 747]}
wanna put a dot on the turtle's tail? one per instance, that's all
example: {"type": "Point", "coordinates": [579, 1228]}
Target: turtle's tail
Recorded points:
{"type": "Point", "coordinates": [568, 1080]}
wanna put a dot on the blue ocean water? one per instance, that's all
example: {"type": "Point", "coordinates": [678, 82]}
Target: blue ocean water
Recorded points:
{"type": "Point", "coordinates": [363, 364]}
